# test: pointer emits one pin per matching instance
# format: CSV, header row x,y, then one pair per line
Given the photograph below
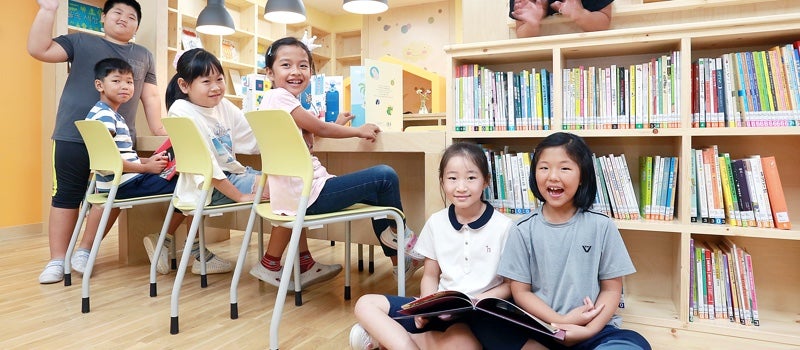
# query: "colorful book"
x,y
777,199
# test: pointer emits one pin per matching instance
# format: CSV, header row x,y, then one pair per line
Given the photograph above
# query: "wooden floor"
x,y
124,316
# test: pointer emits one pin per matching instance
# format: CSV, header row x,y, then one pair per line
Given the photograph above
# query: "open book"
x,y
454,302
169,171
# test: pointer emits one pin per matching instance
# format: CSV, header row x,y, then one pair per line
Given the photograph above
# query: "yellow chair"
x,y
192,158
104,157
284,153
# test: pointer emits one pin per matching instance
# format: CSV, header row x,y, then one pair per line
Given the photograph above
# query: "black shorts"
x,y
70,174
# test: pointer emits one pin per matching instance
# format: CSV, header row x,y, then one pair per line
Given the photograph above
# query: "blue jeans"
x,y
609,338
378,185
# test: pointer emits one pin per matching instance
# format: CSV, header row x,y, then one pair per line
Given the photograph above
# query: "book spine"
x,y
752,287
743,193
777,199
761,188
702,193
694,212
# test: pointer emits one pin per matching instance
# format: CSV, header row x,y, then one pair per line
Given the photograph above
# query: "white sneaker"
x,y
53,272
150,241
215,265
412,265
361,340
319,273
389,239
79,260
267,275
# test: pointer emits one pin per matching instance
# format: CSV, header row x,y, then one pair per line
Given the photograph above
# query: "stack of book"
x,y
508,189
487,100
749,88
658,179
615,195
743,192
645,95
722,283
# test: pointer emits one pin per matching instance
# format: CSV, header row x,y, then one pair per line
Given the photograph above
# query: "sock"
x,y
84,250
306,261
196,251
56,262
272,263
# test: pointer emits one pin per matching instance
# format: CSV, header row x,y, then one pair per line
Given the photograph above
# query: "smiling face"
x,y
291,69
115,89
557,177
463,184
120,23
206,90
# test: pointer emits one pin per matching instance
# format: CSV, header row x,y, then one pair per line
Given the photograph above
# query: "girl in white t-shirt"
x,y
289,67
462,245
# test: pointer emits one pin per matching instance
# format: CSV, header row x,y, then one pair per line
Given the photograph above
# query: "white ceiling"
x,y
334,7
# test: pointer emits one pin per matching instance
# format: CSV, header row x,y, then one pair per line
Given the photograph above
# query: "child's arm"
x,y
501,291
153,165
151,101
430,278
307,121
524,298
589,21
603,309
40,44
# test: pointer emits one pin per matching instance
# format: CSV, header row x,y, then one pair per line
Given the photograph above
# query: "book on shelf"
x,y
229,51
190,39
169,170
777,199
236,82
454,303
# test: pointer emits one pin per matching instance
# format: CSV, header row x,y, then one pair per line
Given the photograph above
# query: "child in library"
x,y
197,91
121,19
289,67
566,261
589,15
114,82
468,220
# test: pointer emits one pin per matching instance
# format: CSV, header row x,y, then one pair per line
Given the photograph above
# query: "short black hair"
x,y
108,65
578,151
132,3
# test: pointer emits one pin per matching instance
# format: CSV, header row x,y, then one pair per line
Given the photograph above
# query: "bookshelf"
x,y
657,296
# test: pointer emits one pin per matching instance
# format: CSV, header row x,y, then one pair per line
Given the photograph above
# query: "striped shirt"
x,y
115,124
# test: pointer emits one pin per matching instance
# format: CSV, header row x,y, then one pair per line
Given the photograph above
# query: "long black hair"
x,y
191,65
579,152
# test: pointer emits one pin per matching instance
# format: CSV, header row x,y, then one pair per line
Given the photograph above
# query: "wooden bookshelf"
x,y
657,295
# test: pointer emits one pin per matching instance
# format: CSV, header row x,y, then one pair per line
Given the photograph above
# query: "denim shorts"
x,y
434,324
245,182
146,184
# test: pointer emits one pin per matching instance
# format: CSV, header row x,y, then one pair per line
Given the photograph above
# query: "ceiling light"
x,y
365,7
285,11
215,19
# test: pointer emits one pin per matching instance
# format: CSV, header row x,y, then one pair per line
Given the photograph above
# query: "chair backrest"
x,y
283,150
191,149
103,152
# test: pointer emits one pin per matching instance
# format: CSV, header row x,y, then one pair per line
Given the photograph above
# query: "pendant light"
x,y
285,11
365,7
215,19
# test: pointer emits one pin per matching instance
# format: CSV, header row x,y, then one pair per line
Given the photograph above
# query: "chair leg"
x,y
203,258
298,291
75,233
162,236
347,248
291,255
360,257
237,272
98,238
187,252
371,259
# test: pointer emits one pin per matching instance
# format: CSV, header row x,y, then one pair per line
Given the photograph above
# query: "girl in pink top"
x,y
289,67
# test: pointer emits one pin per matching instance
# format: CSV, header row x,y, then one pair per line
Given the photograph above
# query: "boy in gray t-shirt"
x,y
121,20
